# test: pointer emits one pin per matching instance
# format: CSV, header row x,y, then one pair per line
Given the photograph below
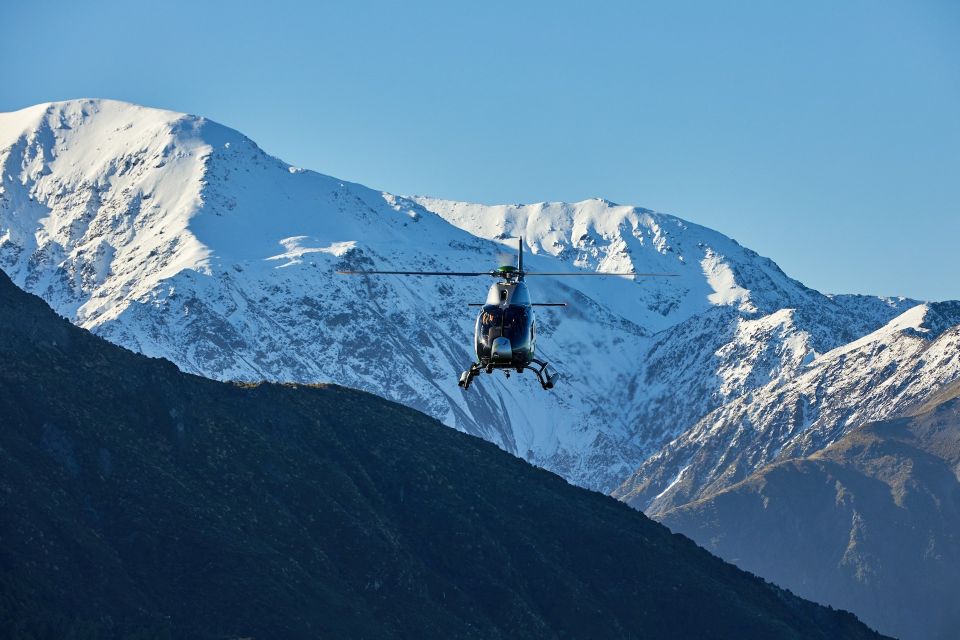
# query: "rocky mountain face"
x,y
882,374
142,502
174,236
870,523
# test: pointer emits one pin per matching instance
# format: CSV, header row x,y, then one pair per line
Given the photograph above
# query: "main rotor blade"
x,y
532,304
598,273
414,273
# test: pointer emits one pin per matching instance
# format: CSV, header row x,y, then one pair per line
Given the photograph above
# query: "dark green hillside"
x,y
139,501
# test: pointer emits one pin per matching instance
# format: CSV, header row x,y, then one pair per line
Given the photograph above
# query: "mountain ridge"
x,y
797,417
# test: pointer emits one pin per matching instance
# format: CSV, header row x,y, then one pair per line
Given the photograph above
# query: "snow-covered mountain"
x,y
177,237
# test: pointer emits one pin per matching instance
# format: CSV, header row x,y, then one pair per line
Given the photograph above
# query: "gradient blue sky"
x,y
824,134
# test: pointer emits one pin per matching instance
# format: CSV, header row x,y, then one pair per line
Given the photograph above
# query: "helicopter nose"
x,y
501,350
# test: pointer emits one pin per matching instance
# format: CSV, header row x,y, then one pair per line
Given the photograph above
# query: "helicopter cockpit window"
x,y
510,323
490,319
515,324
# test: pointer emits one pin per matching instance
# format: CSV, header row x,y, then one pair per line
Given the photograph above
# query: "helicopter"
x,y
505,333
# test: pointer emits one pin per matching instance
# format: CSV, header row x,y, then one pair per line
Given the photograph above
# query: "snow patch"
x,y
721,279
296,250
673,483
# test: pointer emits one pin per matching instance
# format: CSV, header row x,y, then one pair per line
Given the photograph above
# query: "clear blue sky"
x,y
824,134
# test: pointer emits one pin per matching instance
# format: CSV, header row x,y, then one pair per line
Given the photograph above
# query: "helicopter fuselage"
x,y
505,333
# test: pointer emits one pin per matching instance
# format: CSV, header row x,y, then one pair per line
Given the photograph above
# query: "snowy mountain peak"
x,y
178,237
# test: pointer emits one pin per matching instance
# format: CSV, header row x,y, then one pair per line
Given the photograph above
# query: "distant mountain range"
x,y
179,238
141,502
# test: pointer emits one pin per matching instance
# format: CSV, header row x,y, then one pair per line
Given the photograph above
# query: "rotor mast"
x,y
520,261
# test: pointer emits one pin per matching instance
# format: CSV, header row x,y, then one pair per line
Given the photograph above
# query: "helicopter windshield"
x,y
510,323
515,324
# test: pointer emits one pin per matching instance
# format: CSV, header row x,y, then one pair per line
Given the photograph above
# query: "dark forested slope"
x,y
139,501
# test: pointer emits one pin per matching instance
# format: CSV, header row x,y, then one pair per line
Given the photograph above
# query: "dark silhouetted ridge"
x,y
138,501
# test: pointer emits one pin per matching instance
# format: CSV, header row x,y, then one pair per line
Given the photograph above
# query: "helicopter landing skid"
x,y
546,378
467,376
